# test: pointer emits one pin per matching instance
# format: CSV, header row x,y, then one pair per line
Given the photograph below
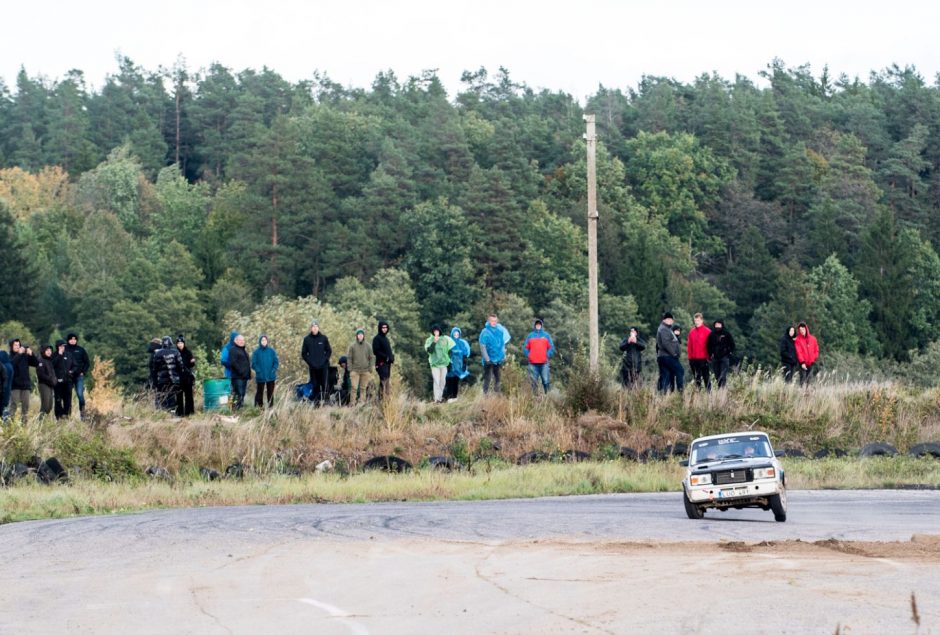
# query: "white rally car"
x,y
734,471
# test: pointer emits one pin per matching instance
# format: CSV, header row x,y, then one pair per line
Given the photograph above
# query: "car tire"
x,y
878,449
692,510
778,505
925,450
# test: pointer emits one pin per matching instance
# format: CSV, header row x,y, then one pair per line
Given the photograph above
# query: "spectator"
x,y
438,348
21,358
788,359
265,363
226,351
316,353
458,364
697,351
631,364
539,349
168,365
677,331
185,405
360,360
807,352
671,373
240,366
384,358
721,351
343,385
45,373
80,366
62,364
152,348
6,388
493,340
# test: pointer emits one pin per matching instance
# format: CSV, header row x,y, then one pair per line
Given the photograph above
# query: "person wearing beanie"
x,y
185,405
720,351
360,360
80,365
438,347
539,349
316,352
697,351
62,364
384,358
671,373
45,373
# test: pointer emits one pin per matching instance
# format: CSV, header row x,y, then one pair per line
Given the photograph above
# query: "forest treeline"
x,y
168,198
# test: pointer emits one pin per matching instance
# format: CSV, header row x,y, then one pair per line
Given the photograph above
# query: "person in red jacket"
x,y
807,352
698,352
539,349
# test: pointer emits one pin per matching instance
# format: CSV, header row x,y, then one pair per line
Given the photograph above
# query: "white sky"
x,y
571,46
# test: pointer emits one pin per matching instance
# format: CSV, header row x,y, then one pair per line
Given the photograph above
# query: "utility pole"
x,y
593,330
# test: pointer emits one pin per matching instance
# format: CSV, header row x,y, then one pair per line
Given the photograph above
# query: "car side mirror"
x,y
779,453
684,462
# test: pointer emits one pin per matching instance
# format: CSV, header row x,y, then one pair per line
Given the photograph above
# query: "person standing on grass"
x,y
807,352
45,373
168,365
697,351
493,340
152,348
677,331
21,358
240,365
384,358
457,371
343,385
6,388
788,359
360,360
80,366
265,363
62,364
539,349
631,364
226,351
671,373
316,352
438,348
721,351
185,405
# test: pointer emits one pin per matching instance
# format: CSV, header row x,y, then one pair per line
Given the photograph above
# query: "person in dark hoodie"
x,y
62,364
168,365
240,364
223,355
185,405
80,365
720,345
265,364
152,348
22,358
45,373
6,386
384,358
316,352
671,373
631,364
788,360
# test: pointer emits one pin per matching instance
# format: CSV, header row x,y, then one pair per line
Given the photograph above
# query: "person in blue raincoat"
x,y
493,340
223,358
458,364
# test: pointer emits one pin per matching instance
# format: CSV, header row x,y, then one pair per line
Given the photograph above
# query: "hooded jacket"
x,y
168,364
316,350
439,351
62,364
226,351
720,343
807,348
633,352
458,355
80,361
359,357
45,373
264,362
188,370
788,349
667,344
539,345
239,362
493,340
697,342
381,347
21,363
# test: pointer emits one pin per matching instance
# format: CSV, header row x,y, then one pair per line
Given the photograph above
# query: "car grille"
x,y
732,476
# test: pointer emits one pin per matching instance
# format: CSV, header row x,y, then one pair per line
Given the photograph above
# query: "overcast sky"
x,y
568,46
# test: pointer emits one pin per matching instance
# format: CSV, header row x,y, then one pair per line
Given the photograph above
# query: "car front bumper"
x,y
740,493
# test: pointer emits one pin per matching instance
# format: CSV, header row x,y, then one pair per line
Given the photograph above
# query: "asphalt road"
x,y
410,566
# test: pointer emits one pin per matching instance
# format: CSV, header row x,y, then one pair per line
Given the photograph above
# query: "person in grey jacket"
x,y
667,357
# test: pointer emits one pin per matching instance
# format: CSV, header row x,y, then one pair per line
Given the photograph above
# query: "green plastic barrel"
x,y
216,393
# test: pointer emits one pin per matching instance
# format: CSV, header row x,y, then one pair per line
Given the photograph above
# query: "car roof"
x,y
745,433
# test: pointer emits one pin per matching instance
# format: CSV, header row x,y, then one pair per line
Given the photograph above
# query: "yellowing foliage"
x,y
26,193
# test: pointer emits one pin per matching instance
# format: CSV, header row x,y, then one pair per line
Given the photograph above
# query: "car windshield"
x,y
727,448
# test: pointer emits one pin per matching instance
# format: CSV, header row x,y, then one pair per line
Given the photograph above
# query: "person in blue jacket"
x,y
458,364
223,358
265,364
493,340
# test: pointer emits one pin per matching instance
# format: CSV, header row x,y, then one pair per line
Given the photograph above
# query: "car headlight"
x,y
700,479
765,472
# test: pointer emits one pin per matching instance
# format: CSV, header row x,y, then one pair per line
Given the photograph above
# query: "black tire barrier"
x,y
535,456
650,454
925,450
878,449
676,449
13,473
830,452
159,473
629,454
236,471
575,456
443,463
209,474
51,471
792,453
387,464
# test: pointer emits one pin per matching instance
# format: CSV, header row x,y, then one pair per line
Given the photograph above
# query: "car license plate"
x,y
731,492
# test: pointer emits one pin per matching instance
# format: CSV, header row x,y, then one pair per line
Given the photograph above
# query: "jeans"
x,y
701,373
63,399
539,372
491,372
671,374
239,386
80,392
721,367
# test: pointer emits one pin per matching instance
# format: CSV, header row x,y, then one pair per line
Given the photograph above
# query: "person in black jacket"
x,y
631,365
168,368
22,358
788,360
384,358
720,347
152,348
45,373
316,352
239,363
62,364
80,366
185,405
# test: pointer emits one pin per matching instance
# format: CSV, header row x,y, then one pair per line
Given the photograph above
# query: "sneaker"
x,y
452,400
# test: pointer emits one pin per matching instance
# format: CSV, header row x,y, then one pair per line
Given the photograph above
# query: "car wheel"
x,y
692,510
778,505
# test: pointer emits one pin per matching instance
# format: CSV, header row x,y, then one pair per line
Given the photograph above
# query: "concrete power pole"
x,y
593,330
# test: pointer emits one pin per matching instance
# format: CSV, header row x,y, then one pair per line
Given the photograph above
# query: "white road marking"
x,y
341,616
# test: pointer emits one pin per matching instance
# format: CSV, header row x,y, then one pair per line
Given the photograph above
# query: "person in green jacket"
x,y
360,360
438,347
